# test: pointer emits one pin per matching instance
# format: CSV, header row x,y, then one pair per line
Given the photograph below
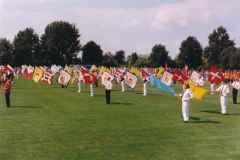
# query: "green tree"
x,y
60,43
119,57
6,52
26,47
218,41
190,53
133,59
143,60
158,56
92,53
233,59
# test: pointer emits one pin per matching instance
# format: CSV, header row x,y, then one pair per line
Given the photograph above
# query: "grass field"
x,y
47,122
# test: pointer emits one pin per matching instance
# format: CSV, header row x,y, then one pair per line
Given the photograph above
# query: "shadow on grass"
x,y
121,103
198,120
25,107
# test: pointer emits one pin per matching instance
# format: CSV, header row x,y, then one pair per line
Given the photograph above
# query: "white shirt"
x,y
108,85
186,95
200,82
223,89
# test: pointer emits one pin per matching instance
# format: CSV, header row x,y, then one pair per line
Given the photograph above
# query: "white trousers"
x,y
212,87
185,110
91,90
223,102
79,86
123,86
144,89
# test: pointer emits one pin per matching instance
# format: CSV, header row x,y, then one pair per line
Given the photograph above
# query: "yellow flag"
x,y
37,74
102,69
70,69
72,79
197,91
135,71
160,71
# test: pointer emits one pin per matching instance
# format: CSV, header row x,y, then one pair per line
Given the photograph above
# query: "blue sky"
x,y
129,25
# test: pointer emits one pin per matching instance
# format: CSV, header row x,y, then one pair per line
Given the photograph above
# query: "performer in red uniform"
x,y
7,90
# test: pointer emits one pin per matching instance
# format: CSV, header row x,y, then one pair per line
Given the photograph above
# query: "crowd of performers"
x,y
231,77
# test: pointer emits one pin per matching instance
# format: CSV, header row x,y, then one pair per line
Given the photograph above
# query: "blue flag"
x,y
160,85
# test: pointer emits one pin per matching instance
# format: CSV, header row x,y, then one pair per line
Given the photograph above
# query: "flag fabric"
x,y
197,91
117,74
166,78
195,77
144,73
88,77
47,76
215,76
178,76
23,69
63,77
29,71
70,69
37,74
135,71
8,68
160,71
102,69
160,85
77,72
131,79
105,76
54,68
236,85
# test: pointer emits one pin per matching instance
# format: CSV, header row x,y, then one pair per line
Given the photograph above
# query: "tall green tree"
x,y
60,43
119,56
133,59
6,52
190,53
92,53
26,47
143,60
218,41
158,56
232,58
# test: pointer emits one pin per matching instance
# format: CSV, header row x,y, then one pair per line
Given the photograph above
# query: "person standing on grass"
x,y
224,91
145,82
235,87
123,82
186,97
91,88
7,90
108,89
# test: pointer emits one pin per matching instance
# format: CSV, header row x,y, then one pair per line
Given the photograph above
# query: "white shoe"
x,y
211,93
91,95
79,91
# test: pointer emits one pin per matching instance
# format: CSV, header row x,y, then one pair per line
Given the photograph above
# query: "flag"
x,y
197,91
131,79
195,77
88,77
135,71
29,71
77,72
178,76
117,74
105,76
8,68
160,71
47,76
37,74
160,85
143,73
166,78
23,69
102,69
63,77
70,69
215,76
54,68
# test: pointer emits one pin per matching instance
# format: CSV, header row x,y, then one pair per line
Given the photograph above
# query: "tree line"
x,y
60,45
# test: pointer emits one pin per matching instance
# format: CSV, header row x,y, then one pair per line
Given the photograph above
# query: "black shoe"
x,y
185,121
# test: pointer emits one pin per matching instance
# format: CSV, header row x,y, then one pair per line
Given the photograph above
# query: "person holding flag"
x,y
7,90
186,97
235,86
224,91
108,89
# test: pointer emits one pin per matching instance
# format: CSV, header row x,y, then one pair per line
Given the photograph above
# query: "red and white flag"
x,y
8,68
88,77
215,76
178,76
29,71
47,76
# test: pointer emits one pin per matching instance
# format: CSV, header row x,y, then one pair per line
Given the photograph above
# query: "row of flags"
x,y
162,80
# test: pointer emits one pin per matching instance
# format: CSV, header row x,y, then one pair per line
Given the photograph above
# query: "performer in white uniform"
x,y
224,91
79,86
91,89
186,97
123,82
145,82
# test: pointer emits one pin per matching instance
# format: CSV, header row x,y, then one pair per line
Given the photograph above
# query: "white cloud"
x,y
19,2
181,14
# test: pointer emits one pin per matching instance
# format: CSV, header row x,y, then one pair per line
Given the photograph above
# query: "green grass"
x,y
50,122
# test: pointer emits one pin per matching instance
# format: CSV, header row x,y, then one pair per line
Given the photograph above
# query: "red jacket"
x,y
7,87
